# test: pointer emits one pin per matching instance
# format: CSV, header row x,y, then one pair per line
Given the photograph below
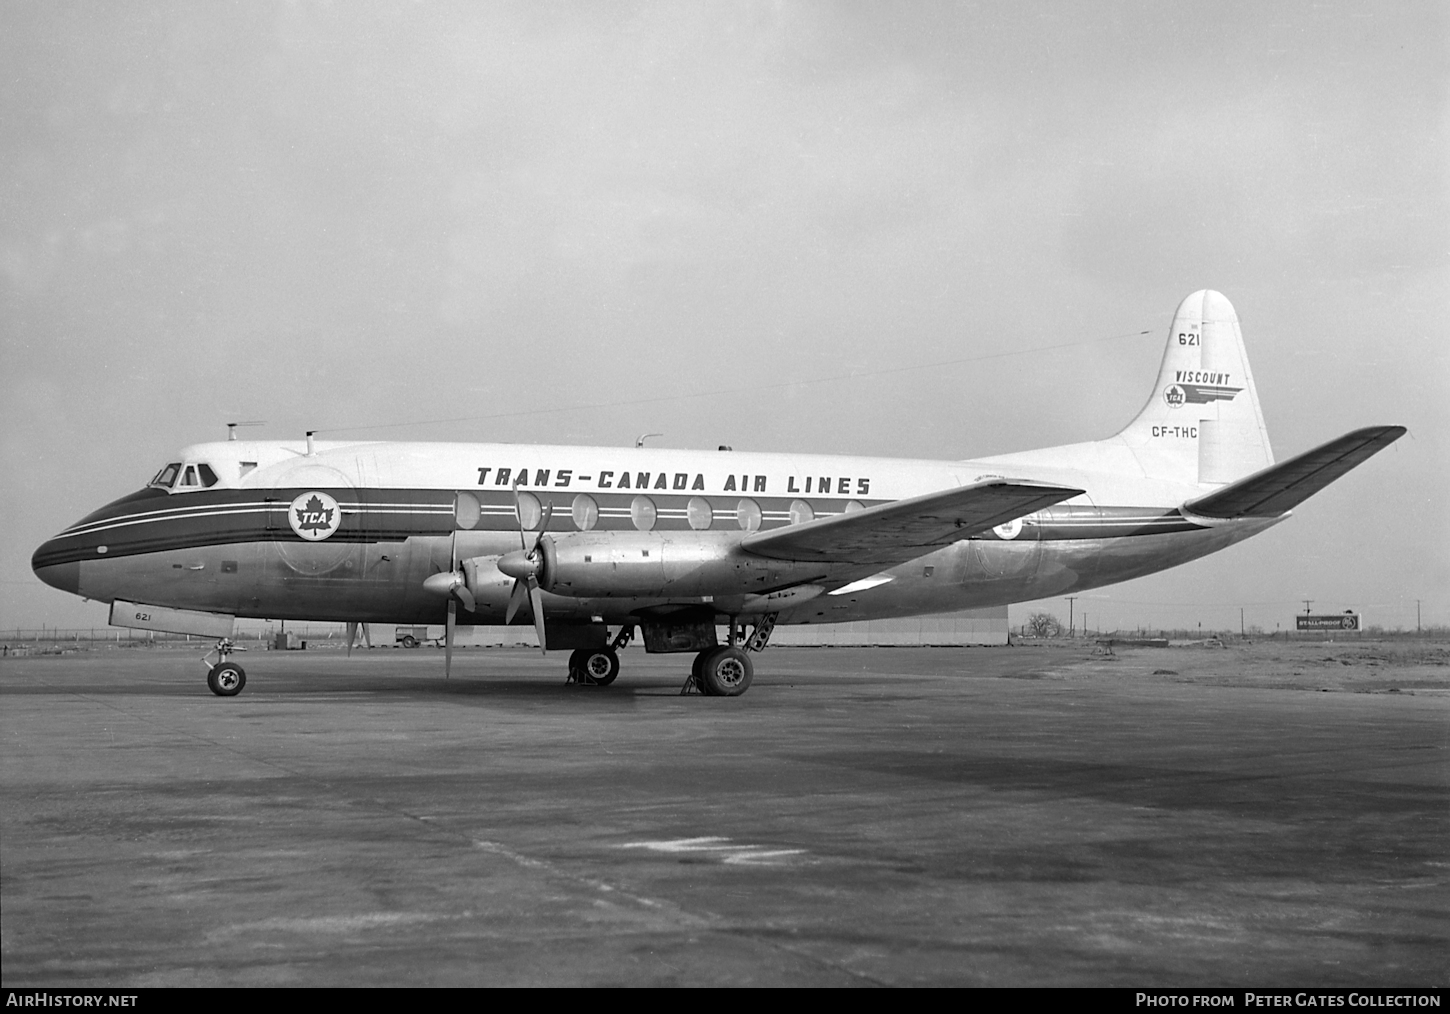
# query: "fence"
x,y
1371,633
127,635
336,632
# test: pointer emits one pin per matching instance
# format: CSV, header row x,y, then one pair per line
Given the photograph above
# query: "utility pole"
x,y
1417,616
1070,600
1306,605
1241,621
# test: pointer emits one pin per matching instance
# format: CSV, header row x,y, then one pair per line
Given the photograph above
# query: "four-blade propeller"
x,y
453,582
525,566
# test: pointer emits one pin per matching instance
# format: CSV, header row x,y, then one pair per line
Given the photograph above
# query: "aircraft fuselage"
x,y
664,524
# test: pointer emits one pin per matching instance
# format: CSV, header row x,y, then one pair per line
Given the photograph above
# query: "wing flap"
x,y
895,532
1271,491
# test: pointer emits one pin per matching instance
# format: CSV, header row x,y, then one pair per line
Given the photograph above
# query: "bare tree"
x,y
1043,625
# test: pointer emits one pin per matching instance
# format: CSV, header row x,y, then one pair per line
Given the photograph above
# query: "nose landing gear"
x,y
225,679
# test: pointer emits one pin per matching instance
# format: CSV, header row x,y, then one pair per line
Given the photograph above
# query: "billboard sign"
x,y
1331,621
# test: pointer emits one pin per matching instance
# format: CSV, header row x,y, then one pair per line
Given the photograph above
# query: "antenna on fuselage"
x,y
310,451
232,427
639,442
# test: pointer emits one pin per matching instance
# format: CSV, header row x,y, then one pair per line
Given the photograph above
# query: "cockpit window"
x,y
189,475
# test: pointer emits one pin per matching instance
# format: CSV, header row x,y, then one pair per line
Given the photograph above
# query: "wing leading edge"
x,y
892,533
1271,491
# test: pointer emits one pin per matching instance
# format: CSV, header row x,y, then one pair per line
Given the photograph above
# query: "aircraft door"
x,y
313,522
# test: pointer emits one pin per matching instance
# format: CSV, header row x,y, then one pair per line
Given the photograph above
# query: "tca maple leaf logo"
x,y
314,516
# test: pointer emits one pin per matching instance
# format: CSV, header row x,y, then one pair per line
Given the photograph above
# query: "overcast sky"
x,y
329,216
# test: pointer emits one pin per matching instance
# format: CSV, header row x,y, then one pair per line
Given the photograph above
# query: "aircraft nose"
x,y
65,575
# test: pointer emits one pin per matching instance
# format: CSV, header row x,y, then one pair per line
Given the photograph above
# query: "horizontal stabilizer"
x,y
1273,490
892,533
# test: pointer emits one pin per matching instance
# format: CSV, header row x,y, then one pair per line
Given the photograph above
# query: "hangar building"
x,y
970,626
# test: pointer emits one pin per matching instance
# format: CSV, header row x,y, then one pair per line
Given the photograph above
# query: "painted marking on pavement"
x,y
718,847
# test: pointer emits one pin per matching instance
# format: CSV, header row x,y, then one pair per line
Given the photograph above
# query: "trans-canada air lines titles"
x,y
564,478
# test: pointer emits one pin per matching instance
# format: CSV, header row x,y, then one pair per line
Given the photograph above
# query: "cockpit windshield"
x,y
188,475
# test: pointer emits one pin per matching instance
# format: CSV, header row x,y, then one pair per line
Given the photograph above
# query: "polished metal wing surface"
x,y
895,532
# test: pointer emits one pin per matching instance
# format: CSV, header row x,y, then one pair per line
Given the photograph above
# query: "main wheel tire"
x,y
599,665
577,658
226,679
699,664
726,672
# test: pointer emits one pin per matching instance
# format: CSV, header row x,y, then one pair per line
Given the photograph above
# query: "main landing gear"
x,y
597,667
593,667
722,671
225,679
727,671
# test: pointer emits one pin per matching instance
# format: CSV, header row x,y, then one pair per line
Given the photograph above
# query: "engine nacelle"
x,y
657,565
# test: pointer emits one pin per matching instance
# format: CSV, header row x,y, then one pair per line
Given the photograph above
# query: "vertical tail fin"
x,y
1202,423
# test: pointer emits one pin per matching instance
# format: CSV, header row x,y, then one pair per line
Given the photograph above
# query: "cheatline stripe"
x,y
187,512
426,513
1109,522
170,512
212,510
182,509
151,517
164,542
149,521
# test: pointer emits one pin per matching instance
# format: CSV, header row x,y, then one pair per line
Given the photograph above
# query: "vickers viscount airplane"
x,y
594,542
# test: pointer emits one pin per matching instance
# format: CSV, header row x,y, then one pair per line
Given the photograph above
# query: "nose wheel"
x,y
225,678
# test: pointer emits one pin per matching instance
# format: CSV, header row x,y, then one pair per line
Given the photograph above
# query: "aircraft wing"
x,y
1271,491
892,533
